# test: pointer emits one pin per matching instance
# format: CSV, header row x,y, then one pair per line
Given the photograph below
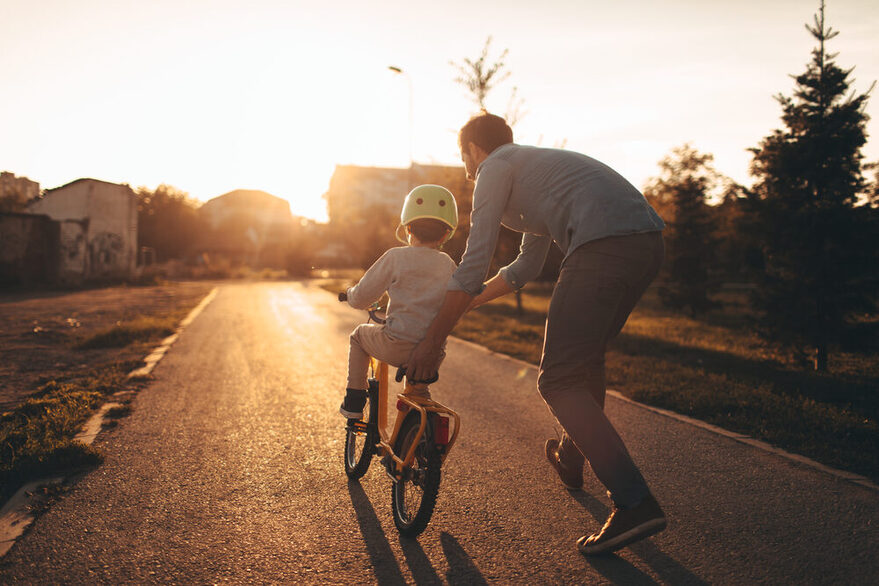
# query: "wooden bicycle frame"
x,y
422,404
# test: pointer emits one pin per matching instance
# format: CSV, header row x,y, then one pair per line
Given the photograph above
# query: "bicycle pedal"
x,y
357,425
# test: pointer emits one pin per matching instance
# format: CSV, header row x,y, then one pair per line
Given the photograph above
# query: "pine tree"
x,y
682,191
811,230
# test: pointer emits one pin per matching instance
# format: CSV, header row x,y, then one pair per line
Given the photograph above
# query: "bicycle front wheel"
x,y
413,497
360,439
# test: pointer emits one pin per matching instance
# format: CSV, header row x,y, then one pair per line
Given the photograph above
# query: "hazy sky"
x,y
211,96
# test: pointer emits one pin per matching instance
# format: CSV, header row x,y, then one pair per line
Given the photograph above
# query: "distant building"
x,y
249,227
15,192
260,208
353,189
98,234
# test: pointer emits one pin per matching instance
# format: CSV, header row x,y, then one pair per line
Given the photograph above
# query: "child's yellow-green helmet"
x,y
429,201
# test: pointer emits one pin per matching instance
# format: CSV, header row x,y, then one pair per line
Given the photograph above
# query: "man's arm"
x,y
424,359
526,267
496,287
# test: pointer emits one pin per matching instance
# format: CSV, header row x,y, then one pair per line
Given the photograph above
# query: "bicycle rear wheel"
x,y
360,437
414,496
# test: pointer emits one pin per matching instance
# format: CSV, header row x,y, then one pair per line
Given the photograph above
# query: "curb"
x,y
739,437
156,355
16,515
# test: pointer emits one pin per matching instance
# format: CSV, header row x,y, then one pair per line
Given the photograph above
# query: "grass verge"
x,y
74,373
36,438
139,329
718,370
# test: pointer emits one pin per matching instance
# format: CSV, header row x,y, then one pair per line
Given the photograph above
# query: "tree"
x,y
872,191
682,191
167,221
735,246
479,77
815,239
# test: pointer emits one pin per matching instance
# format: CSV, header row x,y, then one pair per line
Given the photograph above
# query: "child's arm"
x,y
374,283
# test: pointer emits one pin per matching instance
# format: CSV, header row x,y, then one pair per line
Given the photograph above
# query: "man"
x,y
612,242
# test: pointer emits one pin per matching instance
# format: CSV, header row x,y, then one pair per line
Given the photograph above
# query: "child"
x,y
415,278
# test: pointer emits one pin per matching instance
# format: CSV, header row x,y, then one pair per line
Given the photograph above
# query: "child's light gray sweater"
x,y
415,278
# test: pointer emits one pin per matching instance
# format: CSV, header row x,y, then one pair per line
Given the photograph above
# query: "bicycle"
x,y
412,452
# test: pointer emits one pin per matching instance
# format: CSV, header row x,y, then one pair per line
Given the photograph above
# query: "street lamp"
x,y
400,71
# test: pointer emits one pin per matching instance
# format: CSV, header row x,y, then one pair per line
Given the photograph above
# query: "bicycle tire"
x,y
359,444
413,497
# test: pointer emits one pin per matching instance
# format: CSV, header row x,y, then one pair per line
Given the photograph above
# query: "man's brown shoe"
x,y
625,526
570,475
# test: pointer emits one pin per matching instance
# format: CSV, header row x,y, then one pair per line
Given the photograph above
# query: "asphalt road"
x,y
229,470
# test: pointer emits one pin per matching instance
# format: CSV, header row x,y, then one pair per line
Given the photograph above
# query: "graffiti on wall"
x,y
105,253
73,250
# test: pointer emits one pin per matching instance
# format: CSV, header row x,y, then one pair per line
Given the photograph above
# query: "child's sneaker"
x,y
352,406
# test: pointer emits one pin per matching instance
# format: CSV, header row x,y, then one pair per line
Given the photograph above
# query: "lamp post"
x,y
400,71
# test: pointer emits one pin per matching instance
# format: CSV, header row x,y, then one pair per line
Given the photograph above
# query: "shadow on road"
x,y
422,570
384,563
619,571
462,570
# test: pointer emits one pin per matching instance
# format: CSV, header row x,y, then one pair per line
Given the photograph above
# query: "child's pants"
x,y
373,340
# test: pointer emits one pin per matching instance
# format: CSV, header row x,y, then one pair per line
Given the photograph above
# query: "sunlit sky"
x,y
211,96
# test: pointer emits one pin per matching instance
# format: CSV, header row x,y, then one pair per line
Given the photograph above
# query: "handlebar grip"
x,y
343,296
401,372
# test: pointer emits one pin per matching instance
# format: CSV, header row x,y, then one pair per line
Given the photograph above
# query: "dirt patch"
x,y
41,333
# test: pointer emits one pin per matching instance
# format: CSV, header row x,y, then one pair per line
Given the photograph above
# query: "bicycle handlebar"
x,y
372,311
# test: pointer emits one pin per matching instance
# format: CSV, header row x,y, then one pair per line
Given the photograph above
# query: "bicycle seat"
x,y
401,372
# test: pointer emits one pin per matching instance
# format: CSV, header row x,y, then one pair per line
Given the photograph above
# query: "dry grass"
x,y
36,438
63,354
139,329
717,369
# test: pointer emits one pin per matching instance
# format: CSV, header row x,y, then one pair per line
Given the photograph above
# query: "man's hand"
x,y
494,288
424,361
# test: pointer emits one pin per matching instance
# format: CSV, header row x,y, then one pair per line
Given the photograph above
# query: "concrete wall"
x,y
29,246
111,235
73,251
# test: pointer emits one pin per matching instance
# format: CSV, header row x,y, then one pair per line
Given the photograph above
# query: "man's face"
x,y
469,164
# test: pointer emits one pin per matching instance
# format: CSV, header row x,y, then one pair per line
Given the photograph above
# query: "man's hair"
x,y
486,131
428,230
